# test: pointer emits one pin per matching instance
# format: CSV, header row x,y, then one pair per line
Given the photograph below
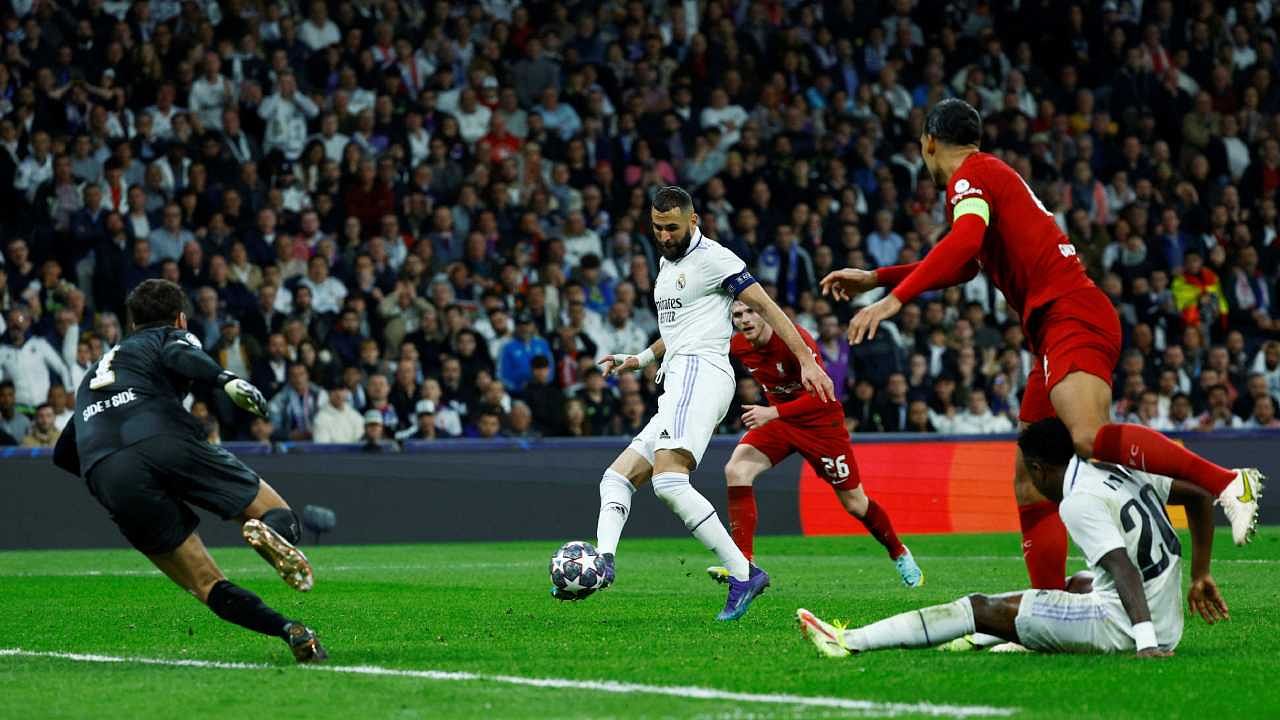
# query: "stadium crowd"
x,y
405,219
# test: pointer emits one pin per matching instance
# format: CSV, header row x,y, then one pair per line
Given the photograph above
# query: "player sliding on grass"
x,y
795,422
1117,517
144,459
1000,226
697,281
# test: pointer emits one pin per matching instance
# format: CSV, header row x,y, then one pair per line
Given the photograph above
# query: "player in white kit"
x,y
698,280
1116,515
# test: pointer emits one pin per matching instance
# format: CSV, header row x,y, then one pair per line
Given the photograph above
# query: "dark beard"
x,y
678,252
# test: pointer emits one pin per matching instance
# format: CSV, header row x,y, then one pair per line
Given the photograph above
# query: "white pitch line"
x,y
866,707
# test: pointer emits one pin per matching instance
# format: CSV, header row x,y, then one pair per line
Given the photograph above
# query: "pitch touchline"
x,y
883,709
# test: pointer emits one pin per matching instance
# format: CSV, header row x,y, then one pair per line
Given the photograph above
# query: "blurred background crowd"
x,y
406,219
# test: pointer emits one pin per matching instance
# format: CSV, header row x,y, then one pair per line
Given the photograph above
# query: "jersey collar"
x,y
693,243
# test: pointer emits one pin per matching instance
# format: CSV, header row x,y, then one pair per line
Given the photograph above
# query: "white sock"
x,y
615,506
916,629
700,518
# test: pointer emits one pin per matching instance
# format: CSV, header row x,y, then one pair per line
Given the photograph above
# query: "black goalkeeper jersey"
x,y
135,391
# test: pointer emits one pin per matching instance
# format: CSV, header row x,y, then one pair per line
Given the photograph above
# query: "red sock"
x,y
742,518
881,528
1044,545
1145,449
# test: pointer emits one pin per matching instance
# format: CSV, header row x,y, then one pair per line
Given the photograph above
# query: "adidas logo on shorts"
x,y
665,435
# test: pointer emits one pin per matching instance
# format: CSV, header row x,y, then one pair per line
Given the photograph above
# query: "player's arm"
x,y
614,364
1204,597
65,453
848,283
953,256
812,376
184,357
1134,598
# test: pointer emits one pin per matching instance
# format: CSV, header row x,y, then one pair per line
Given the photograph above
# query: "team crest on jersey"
x,y
680,281
781,370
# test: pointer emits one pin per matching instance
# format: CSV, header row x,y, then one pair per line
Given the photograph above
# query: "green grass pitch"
x,y
485,609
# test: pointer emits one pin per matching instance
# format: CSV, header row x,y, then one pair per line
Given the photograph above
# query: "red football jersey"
x,y
778,372
1023,251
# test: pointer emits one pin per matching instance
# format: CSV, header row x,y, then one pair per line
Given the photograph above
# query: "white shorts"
x,y
695,397
1063,622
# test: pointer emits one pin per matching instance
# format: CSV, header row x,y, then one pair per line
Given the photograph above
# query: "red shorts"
x,y
826,448
1079,332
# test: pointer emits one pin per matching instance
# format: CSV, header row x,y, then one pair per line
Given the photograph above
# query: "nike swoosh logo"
x,y
1247,495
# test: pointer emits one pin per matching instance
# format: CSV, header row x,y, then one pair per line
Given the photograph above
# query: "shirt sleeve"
x,y
1091,525
728,271
182,354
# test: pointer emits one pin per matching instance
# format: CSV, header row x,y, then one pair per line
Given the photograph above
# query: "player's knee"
x,y
1081,583
737,474
285,522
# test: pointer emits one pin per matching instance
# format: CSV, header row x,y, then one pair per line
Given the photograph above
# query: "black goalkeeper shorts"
x,y
146,487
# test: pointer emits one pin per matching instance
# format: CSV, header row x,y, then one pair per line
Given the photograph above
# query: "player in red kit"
x,y
999,226
795,421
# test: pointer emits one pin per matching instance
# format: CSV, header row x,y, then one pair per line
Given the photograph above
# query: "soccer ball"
x,y
577,569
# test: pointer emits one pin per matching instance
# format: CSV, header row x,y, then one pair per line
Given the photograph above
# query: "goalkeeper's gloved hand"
x,y
243,393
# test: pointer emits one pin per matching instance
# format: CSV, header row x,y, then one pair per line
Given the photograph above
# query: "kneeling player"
x,y
1117,517
795,422
144,459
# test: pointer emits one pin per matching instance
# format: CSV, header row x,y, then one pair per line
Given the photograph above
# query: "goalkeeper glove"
x,y
243,393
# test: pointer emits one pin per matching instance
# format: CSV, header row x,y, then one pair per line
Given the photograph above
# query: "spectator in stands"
x,y
44,431
1264,414
169,240
488,424
63,406
1217,414
424,427
13,424
29,363
336,421
894,411
599,403
918,418
976,419
375,437
378,394
327,292
516,366
519,422
293,409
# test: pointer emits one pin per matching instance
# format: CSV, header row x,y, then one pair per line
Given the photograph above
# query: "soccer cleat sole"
x,y
817,633
305,645
288,560
719,573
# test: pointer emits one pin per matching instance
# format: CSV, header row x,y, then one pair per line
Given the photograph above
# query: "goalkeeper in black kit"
x,y
144,459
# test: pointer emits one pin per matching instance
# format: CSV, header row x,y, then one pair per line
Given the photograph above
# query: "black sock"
x,y
285,522
237,605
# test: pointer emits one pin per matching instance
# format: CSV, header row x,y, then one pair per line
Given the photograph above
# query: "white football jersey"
x,y
693,298
1106,507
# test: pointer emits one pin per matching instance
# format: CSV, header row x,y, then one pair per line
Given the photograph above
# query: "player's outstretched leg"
x,y
617,486
671,485
271,528
876,521
1082,401
190,566
922,628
